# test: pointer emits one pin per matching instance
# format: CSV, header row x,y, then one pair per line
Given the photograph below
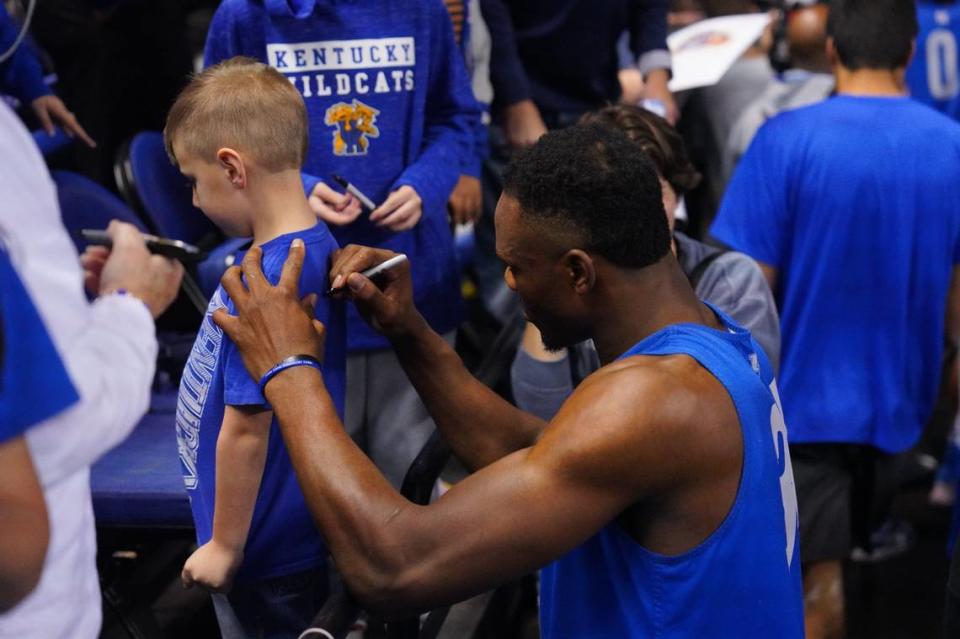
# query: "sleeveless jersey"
x,y
744,579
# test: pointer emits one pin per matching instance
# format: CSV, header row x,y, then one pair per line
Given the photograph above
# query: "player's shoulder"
x,y
668,391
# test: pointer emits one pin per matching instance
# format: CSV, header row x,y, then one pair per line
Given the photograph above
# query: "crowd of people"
x,y
735,302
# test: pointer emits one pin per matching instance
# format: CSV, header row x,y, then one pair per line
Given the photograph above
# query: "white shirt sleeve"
x,y
109,347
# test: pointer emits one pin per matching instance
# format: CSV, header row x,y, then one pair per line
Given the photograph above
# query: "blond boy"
x,y
238,133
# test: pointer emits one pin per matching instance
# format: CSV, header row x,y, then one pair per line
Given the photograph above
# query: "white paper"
x,y
705,51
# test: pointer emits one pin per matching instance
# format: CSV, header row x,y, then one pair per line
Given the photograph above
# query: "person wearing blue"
x,y
22,77
659,501
391,111
34,385
238,133
934,74
852,208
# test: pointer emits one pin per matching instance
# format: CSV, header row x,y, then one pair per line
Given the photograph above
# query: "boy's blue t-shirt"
x,y
34,384
934,74
283,538
856,202
389,104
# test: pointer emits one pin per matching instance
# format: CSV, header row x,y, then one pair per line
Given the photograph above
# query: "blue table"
x,y
139,483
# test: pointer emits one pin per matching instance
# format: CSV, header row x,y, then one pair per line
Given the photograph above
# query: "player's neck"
x,y
871,82
281,207
640,304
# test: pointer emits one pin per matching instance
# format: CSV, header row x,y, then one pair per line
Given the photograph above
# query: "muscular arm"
x,y
478,424
25,532
511,517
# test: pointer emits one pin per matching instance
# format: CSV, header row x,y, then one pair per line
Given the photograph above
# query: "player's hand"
x,y
386,305
212,566
655,88
401,210
272,322
338,209
465,202
522,124
51,110
93,260
153,279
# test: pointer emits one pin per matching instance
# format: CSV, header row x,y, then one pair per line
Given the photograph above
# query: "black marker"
x,y
355,192
174,249
374,271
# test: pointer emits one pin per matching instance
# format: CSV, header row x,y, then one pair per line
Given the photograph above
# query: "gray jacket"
x,y
732,282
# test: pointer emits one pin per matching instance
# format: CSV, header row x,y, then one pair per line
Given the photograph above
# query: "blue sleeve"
x,y
239,389
21,75
510,83
648,35
449,120
754,216
237,28
310,182
34,384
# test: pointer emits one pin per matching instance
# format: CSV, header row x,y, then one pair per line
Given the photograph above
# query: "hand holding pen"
x,y
385,301
333,207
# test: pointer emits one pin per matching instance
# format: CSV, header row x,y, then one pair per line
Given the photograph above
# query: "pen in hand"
x,y
373,271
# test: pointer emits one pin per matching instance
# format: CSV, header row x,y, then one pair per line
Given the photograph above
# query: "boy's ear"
x,y
233,167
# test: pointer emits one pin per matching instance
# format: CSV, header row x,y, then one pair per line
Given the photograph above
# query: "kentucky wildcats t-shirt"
x,y
283,538
389,104
34,384
934,74
856,202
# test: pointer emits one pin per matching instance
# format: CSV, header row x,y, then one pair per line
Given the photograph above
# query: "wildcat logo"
x,y
355,125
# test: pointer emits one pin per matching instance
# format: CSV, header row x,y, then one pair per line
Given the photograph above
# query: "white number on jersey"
x,y
941,53
788,492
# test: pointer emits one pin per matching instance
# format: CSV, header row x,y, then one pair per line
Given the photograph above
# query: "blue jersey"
x,y
934,75
744,579
34,384
283,538
856,202
389,104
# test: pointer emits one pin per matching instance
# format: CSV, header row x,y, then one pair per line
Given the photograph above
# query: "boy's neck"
x,y
280,206
871,82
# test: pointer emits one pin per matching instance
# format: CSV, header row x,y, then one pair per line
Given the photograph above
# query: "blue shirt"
x,y
34,384
933,76
283,538
856,202
389,104
21,75
744,579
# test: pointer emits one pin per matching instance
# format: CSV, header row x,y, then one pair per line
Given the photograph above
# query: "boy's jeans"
x,y
275,608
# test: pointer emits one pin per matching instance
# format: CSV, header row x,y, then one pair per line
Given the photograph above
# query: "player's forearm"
x,y
358,512
241,454
479,426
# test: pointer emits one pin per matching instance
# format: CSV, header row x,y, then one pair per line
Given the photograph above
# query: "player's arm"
x,y
770,274
508,519
241,453
478,425
25,531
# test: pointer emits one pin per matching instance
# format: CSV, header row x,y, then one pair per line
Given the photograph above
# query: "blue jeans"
x,y
275,608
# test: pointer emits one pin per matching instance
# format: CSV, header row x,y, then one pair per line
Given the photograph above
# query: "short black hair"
x,y
873,34
597,182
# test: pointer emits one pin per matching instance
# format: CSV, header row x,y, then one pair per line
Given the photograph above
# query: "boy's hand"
x,y
401,210
51,110
338,209
212,566
465,201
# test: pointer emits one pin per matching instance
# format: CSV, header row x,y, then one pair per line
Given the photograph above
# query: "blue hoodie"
x,y
389,104
21,75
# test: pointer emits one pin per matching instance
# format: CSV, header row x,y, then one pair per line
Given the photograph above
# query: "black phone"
x,y
174,249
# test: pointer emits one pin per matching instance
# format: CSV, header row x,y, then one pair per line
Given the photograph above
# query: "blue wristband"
x,y
290,362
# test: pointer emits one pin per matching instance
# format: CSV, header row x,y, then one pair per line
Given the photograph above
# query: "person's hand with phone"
x,y
129,266
333,207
